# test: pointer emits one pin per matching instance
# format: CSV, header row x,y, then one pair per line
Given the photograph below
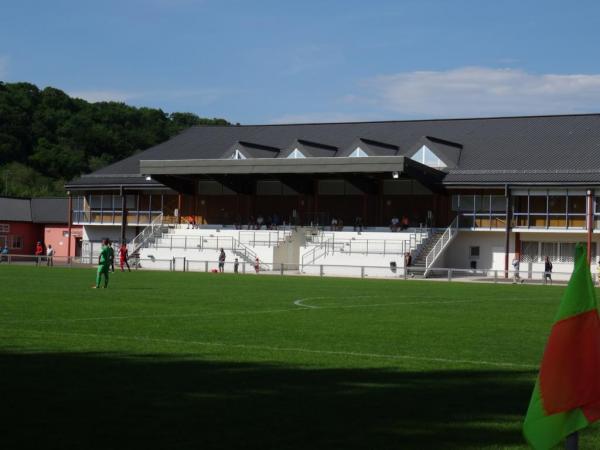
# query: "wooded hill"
x,y
48,137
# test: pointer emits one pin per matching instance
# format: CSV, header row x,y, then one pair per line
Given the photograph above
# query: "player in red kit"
x,y
123,257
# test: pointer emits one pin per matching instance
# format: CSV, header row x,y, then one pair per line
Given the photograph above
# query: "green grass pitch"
x,y
208,361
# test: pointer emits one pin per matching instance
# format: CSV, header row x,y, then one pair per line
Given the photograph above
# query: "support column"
x,y
365,211
70,222
179,204
590,223
507,230
315,203
123,215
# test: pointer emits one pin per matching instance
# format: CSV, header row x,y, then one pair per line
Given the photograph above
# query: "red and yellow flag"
x,y
566,396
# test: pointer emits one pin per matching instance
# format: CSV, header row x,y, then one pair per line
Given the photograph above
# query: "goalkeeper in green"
x,y
103,265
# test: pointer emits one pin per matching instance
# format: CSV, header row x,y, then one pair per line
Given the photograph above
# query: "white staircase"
x,y
441,245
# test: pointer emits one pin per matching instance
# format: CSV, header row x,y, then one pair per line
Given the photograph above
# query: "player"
x,y
257,265
222,261
111,254
103,265
123,257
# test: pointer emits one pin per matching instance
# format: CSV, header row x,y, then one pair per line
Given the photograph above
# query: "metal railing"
x,y
441,244
152,231
363,271
316,253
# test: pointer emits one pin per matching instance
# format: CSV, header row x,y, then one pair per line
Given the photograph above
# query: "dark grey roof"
x,y
50,210
554,145
309,149
251,150
15,209
370,147
36,210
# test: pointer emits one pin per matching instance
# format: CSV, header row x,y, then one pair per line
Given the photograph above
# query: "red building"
x,y
24,222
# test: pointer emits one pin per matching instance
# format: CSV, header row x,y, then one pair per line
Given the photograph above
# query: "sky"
x,y
263,61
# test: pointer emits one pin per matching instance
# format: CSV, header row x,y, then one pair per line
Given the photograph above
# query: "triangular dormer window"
x,y
358,153
296,154
425,156
237,155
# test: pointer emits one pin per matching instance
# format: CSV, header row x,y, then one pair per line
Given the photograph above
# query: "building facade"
x,y
526,186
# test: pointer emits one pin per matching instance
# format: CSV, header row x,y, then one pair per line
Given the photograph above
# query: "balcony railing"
x,y
113,217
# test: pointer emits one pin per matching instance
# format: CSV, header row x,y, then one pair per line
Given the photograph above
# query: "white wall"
x,y
491,250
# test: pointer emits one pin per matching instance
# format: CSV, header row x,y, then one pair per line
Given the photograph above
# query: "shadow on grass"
x,y
106,401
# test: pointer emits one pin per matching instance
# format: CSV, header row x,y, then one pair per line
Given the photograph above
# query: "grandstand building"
x,y
473,192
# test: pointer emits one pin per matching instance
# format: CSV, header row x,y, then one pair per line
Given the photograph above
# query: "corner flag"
x,y
566,397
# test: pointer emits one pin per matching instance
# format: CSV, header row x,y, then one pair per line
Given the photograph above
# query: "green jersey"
x,y
105,256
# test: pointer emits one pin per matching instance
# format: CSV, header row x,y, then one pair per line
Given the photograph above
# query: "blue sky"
x,y
268,61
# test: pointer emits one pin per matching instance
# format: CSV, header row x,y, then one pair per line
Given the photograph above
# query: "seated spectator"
x,y
394,224
191,222
334,224
404,224
259,222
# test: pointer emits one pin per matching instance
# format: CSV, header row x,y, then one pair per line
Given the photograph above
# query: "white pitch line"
x,y
285,349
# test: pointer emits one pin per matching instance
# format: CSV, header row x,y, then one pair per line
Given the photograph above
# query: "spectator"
x,y
222,261
547,270
236,266
257,265
404,224
334,223
358,225
259,222
276,220
516,263
50,256
39,251
408,263
394,224
4,253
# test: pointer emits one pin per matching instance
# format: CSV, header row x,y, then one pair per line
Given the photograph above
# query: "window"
x,y
237,155
296,154
4,228
15,242
358,153
3,241
474,252
427,157
529,251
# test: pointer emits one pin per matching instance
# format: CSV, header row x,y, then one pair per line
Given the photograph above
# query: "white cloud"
x,y
104,95
479,91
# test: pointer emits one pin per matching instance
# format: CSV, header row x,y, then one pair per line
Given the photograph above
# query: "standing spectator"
x,y
39,251
408,263
222,261
236,265
4,253
394,224
257,265
50,256
123,257
516,264
358,225
547,270
111,255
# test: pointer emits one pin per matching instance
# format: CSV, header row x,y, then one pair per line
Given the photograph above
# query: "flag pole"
x,y
572,442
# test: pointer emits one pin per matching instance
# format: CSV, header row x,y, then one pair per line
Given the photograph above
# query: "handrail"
x,y
442,242
248,255
148,232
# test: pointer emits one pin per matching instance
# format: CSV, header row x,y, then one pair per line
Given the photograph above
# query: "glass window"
x,y
577,205
15,242
474,252
537,204
95,201
520,205
498,203
455,202
358,153
467,203
529,251
557,204
296,154
567,252
549,249
131,202
4,227
425,156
